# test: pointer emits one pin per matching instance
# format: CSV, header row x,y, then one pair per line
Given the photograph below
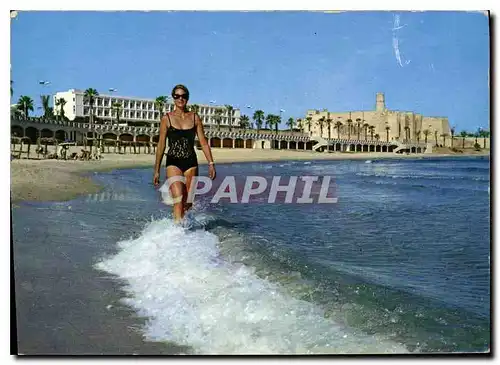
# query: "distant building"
x,y
389,125
132,110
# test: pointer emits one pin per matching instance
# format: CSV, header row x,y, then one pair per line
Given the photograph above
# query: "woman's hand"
x,y
211,171
156,179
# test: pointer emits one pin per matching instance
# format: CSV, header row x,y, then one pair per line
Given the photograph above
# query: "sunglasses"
x,y
178,96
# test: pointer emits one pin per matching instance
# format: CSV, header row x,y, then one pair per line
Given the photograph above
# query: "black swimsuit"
x,y
181,152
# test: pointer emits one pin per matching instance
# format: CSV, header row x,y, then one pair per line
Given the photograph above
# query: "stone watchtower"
x,y
380,106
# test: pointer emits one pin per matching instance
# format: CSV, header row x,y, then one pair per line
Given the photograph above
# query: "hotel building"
x,y
133,111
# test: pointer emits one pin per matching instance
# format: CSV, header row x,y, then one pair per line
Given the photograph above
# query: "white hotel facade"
x,y
132,109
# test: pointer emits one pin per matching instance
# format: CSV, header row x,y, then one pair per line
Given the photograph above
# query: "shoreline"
x,y
60,180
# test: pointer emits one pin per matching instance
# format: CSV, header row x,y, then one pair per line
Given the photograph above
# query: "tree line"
x,y
25,105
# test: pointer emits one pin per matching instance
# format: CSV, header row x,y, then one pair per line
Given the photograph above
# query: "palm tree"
x,y
418,136
426,133
308,123
258,117
321,123
218,117
358,122
329,125
290,123
484,134
229,109
244,122
408,128
349,122
452,130
300,124
160,103
117,108
61,102
377,137
463,134
273,121
90,95
25,103
372,130
366,125
407,132
47,110
269,121
195,108
436,137
387,129
277,122
338,125
444,135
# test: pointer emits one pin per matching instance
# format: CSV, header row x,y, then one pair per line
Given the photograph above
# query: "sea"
x,y
399,264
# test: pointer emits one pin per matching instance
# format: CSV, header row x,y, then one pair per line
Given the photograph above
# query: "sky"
x,y
433,63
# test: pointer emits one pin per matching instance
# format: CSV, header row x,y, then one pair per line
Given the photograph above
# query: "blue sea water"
x,y
401,263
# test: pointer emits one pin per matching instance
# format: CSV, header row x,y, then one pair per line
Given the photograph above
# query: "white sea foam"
x,y
193,297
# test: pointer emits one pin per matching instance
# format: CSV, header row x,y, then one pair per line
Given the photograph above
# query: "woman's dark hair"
x,y
182,87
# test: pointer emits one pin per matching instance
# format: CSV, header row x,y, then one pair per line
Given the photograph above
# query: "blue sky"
x,y
270,60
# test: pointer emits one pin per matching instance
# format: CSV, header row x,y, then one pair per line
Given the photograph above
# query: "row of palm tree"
x,y
463,134
354,128
25,104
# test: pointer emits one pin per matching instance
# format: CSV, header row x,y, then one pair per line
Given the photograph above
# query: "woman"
x,y
180,127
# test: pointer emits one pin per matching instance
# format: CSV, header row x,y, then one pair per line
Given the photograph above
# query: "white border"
x,y
314,5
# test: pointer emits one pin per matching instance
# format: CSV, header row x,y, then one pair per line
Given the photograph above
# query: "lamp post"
x,y
111,90
43,83
281,111
249,107
211,118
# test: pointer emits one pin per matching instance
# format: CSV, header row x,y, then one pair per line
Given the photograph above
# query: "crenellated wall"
x,y
380,119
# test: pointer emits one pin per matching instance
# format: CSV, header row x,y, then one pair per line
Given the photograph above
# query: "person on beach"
x,y
180,127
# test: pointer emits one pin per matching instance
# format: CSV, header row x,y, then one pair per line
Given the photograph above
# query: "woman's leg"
x,y
177,192
189,174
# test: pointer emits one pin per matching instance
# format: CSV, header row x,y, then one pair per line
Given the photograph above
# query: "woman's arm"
x,y
203,140
160,150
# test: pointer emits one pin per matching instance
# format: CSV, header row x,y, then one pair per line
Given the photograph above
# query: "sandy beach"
x,y
60,180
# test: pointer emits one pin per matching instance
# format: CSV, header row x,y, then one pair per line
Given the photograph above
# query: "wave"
x,y
177,277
